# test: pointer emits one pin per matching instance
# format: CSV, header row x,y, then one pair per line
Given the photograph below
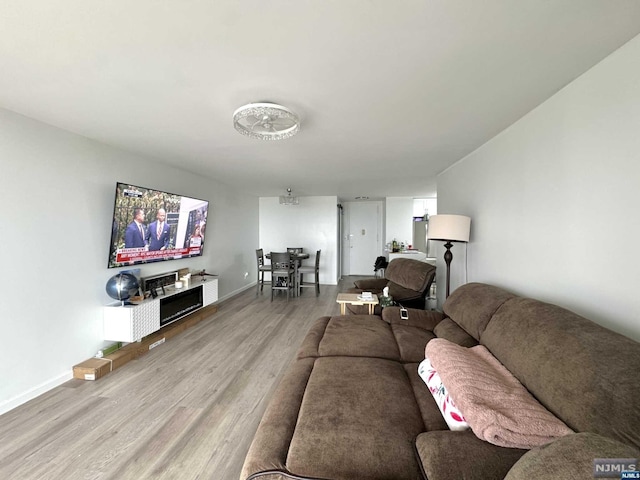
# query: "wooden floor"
x,y
186,410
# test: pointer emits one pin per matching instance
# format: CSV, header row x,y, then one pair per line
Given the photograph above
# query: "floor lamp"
x,y
449,228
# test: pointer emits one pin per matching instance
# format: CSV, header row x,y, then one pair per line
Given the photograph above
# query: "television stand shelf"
x,y
130,323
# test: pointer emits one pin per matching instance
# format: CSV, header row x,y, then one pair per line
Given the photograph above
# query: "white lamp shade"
x,y
454,228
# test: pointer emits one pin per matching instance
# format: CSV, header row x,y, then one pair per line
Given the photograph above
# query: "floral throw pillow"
x,y
454,418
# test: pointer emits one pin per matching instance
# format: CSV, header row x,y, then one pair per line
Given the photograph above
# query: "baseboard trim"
x,y
236,292
55,382
35,392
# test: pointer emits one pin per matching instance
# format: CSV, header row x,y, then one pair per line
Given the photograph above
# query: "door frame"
x,y
344,238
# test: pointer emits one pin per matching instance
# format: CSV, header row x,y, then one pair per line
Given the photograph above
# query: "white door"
x,y
364,236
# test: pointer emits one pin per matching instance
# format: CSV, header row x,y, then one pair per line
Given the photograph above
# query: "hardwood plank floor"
x,y
186,410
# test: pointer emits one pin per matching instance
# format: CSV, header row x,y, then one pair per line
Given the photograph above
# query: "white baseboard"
x,y
236,292
48,385
34,392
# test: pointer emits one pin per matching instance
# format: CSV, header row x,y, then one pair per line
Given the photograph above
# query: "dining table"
x,y
297,258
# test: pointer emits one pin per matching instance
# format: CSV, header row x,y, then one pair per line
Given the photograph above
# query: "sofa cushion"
x,y
472,305
357,417
496,406
411,341
450,330
582,372
447,455
350,335
569,457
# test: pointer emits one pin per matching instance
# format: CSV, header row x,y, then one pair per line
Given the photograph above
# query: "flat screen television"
x,y
153,226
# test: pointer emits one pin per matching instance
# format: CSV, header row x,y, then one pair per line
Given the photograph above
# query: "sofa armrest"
x,y
270,445
449,455
568,457
311,344
371,284
425,319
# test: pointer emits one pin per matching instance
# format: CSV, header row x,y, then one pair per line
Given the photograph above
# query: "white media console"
x,y
129,323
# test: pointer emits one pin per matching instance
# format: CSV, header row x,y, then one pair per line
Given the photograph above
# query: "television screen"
x,y
152,226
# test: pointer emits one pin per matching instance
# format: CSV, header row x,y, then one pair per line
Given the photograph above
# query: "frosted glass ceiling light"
x,y
289,199
266,121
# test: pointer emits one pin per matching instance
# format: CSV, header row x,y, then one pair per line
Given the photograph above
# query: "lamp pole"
x,y
448,256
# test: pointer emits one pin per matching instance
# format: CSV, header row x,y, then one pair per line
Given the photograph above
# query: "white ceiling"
x,y
389,93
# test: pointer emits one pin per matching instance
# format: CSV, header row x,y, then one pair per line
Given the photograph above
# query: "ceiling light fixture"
x,y
289,199
266,121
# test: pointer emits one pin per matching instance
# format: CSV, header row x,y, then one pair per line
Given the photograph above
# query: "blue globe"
x,y
122,286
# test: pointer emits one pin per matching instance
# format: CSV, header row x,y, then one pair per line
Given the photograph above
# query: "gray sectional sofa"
x,y
352,405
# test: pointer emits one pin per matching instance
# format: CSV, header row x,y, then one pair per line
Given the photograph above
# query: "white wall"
x,y
312,225
554,199
424,206
399,220
57,198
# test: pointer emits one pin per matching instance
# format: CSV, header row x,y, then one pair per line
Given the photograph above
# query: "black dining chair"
x,y
310,269
282,273
261,269
296,261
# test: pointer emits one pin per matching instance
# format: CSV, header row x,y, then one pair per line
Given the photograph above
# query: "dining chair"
x,y
296,261
282,273
310,269
261,269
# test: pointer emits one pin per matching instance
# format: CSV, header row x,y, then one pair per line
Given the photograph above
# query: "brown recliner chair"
x,y
408,281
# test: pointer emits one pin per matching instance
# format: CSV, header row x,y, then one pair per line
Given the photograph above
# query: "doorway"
x,y
362,237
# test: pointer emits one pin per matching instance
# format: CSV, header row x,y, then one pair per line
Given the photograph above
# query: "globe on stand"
x,y
122,286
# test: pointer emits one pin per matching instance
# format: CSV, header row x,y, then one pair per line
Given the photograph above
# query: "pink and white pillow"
x,y
454,418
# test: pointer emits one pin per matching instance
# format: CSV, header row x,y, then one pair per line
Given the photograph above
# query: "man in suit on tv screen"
x,y
159,233
134,235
